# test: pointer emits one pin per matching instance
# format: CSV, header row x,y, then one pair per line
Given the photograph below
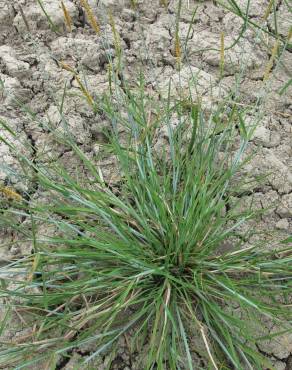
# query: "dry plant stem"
x,y
208,347
24,18
222,54
91,16
271,61
67,17
268,10
83,89
177,51
117,42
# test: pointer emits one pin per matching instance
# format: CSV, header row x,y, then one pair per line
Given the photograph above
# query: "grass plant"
x,y
160,253
148,255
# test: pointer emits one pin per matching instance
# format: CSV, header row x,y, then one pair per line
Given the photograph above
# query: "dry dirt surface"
x,y
29,69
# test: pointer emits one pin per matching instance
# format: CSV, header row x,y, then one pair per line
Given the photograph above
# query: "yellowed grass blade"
x,y
289,34
268,10
67,67
34,267
177,50
10,193
270,63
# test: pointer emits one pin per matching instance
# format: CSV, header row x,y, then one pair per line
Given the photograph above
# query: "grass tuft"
x,y
160,254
